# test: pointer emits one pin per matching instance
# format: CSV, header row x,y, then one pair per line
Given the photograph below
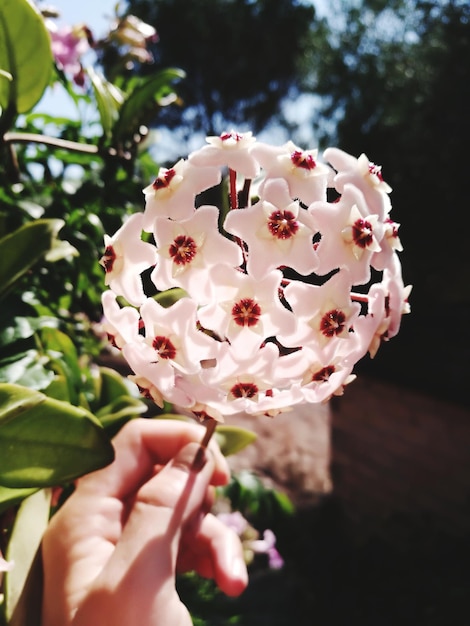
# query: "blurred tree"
x,y
241,57
396,79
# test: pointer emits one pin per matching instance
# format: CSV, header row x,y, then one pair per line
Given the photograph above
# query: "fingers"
x,y
215,551
140,445
148,548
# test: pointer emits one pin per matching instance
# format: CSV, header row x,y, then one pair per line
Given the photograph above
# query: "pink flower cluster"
x,y
281,295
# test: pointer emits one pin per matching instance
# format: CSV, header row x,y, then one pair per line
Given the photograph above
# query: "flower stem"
x,y
200,458
233,189
210,425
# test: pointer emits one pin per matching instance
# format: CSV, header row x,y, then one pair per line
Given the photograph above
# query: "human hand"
x,y
111,553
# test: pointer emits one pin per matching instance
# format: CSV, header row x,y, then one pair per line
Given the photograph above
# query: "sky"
x,y
97,15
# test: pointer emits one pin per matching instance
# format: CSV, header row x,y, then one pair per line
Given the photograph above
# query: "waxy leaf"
x,y
23,582
11,497
141,104
108,98
46,442
21,249
25,55
232,439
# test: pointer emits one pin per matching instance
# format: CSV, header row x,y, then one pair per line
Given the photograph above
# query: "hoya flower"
x,y
174,335
188,249
155,377
328,371
244,310
306,176
349,235
277,231
324,313
364,175
173,192
277,298
397,299
372,328
389,244
121,324
244,382
125,257
232,150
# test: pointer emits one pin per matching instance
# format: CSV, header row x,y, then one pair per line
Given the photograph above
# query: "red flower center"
x,y
323,375
183,250
305,161
164,347
376,170
362,233
244,390
164,179
246,312
108,259
282,224
232,135
333,323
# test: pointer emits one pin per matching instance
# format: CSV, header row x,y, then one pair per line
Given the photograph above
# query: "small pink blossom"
x,y
188,249
306,176
364,175
125,257
230,149
349,235
277,231
244,310
173,192
69,44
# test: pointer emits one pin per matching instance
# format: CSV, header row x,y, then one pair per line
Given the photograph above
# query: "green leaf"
x,y
108,98
64,358
25,54
232,439
11,497
21,249
143,101
26,368
45,442
23,582
110,385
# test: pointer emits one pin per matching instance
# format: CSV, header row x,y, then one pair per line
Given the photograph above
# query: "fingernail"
x,y
239,571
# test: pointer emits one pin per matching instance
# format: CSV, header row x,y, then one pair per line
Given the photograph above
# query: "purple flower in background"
x,y
69,44
267,545
252,544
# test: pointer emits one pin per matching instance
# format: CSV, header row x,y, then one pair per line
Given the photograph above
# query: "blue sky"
x,y
97,15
